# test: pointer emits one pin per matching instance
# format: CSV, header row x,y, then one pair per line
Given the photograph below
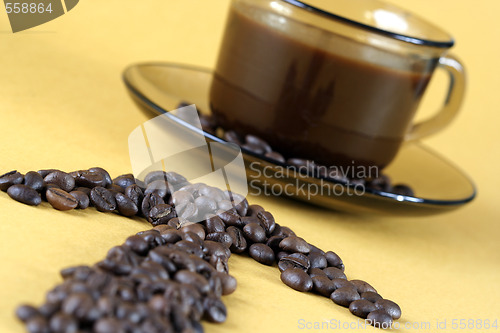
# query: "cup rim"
x,y
398,36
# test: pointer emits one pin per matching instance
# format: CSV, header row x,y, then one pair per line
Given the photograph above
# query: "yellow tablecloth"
x,y
63,105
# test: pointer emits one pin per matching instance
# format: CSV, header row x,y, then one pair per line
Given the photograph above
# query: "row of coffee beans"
x,y
171,204
256,145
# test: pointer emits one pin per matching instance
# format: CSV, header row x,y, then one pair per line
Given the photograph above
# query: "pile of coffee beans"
x,y
168,278
257,146
160,280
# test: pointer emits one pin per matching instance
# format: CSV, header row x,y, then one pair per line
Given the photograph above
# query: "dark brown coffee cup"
x,y
338,87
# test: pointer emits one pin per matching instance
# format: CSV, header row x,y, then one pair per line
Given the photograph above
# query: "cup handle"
x,y
451,105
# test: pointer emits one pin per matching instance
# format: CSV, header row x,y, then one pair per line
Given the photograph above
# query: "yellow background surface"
x,y
63,105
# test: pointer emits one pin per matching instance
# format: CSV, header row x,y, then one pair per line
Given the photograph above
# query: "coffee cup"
x,y
339,84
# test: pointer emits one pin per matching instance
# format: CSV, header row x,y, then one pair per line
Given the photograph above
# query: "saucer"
x,y
439,185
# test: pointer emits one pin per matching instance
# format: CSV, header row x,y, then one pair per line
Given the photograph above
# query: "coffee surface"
x,y
308,101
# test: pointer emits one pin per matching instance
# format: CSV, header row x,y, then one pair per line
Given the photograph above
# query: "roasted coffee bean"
x,y
26,312
205,205
267,222
102,199
189,212
224,205
37,325
323,285
176,180
125,205
302,165
149,201
381,183
371,296
215,310
45,172
220,263
194,279
273,242
316,249
379,319
211,192
282,254
155,175
63,323
344,296
169,235
153,237
262,253
77,304
283,231
158,186
231,218
10,178
317,272
134,193
231,136
239,243
275,156
61,179
33,180
295,260
221,237
361,308
390,307
362,286
317,260
214,224
107,325
254,140
334,273
24,194
161,214
253,210
257,150
104,173
192,188
113,188
401,189
181,198
241,206
195,228
334,260
85,190
297,279
49,309
229,283
294,244
254,232
82,199
249,219
89,179
341,283
177,222
124,181
212,248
